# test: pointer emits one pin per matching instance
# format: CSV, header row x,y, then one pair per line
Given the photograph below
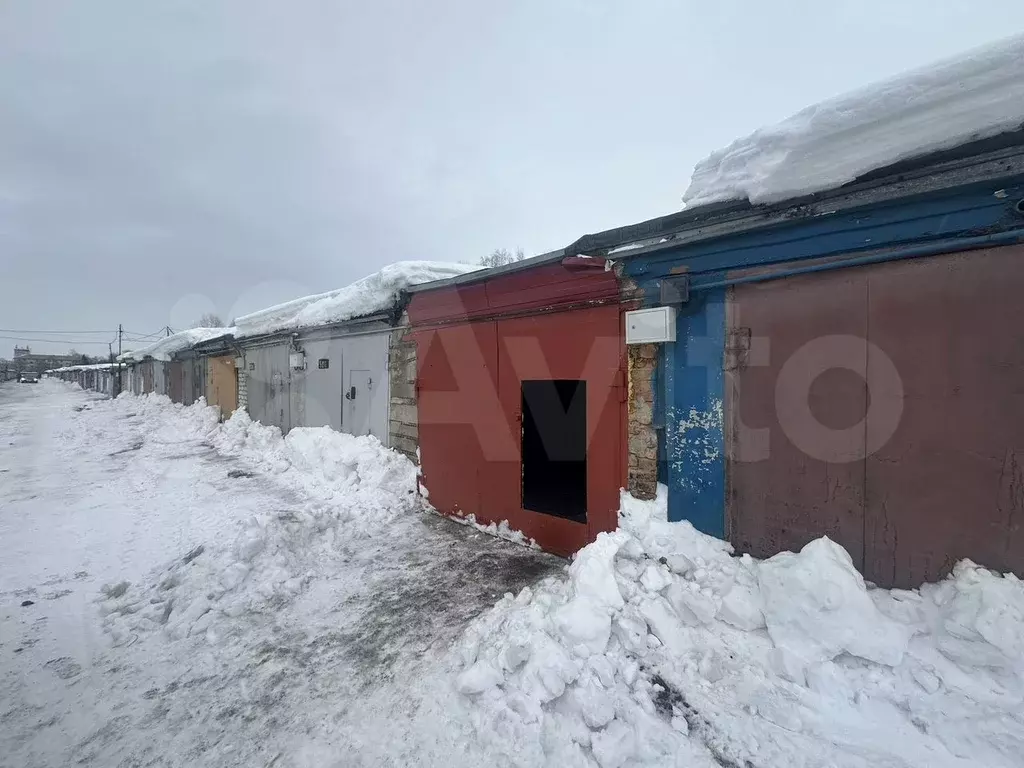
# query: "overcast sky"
x,y
159,160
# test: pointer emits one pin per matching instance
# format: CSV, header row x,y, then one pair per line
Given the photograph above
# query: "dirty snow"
x,y
502,530
206,593
163,349
375,293
974,96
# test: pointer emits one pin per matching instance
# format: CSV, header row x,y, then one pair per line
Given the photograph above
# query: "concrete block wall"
x,y
404,416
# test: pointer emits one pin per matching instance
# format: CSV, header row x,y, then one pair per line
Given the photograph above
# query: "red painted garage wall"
x,y
475,346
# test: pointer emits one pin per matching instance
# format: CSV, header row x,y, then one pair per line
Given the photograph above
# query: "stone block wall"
x,y
404,417
643,440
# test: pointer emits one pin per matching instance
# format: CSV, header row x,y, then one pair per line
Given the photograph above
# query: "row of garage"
x,y
849,365
332,376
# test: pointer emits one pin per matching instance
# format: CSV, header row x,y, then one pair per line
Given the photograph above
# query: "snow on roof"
x,y
164,348
975,96
372,294
89,367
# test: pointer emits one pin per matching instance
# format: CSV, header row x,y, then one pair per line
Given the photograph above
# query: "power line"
x,y
53,341
23,330
144,335
118,335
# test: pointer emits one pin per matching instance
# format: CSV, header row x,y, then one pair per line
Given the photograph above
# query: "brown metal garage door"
x,y
222,384
940,475
176,382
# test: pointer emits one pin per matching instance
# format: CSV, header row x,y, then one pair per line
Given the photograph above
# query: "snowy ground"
x,y
96,493
207,594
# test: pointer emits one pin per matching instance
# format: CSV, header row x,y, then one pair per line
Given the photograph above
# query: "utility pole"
x,y
120,332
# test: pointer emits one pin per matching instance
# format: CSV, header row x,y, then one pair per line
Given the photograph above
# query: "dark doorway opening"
x,y
555,448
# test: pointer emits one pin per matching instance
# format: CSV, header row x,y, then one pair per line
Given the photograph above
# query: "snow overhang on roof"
x,y
372,295
975,96
998,158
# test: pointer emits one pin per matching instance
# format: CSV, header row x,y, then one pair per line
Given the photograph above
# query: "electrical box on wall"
x,y
240,363
297,361
651,326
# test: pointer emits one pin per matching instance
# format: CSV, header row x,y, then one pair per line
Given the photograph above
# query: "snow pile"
x,y
502,530
375,293
350,486
975,96
816,607
164,348
659,647
330,466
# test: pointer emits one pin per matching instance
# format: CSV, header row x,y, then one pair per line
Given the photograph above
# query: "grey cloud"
x,y
243,151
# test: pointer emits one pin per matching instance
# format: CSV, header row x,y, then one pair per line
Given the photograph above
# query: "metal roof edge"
x,y
223,339
288,333
944,171
368,324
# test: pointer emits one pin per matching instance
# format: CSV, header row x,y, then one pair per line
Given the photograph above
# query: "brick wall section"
x,y
643,440
404,418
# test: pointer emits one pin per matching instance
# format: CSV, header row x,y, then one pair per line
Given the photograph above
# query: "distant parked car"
x,y
29,378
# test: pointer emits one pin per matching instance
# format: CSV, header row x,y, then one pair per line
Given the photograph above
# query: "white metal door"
x,y
358,396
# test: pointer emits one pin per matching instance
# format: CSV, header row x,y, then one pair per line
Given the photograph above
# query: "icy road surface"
x,y
319,656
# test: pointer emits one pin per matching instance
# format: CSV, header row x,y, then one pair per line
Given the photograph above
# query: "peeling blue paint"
x,y
694,437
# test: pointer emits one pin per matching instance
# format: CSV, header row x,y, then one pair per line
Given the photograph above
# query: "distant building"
x,y
24,360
